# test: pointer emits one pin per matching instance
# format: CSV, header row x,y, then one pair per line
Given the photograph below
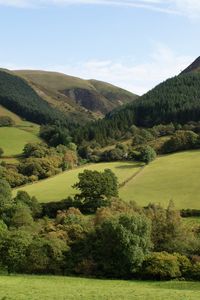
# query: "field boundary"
x,y
132,177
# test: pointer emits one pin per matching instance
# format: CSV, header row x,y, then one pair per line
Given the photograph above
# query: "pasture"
x,y
60,186
13,140
70,288
170,177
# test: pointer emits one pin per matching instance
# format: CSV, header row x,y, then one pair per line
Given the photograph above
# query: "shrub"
x,y
162,266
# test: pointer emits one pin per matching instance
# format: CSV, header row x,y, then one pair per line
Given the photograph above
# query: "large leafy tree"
x,y
96,187
121,244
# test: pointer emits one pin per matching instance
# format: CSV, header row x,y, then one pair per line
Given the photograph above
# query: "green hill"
x,y
170,177
13,140
78,98
20,98
176,100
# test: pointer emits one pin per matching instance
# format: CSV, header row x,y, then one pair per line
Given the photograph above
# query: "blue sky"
x,y
131,43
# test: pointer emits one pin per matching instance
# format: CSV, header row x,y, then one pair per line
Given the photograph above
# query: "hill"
x,y
13,140
20,98
59,187
170,177
194,67
176,100
82,100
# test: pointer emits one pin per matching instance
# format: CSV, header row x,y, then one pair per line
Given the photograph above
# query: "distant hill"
x,y
82,100
175,100
194,67
20,98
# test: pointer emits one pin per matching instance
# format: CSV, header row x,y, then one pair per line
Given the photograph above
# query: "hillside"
x,y
176,100
20,98
80,99
194,67
170,177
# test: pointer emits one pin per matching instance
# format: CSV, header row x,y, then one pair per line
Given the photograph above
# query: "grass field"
x,y
60,186
70,288
169,177
12,140
173,177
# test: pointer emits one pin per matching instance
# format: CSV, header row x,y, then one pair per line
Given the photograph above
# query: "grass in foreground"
x,y
13,140
69,288
171,177
60,186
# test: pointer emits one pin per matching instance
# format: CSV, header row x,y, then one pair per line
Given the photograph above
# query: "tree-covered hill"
x,y
81,100
17,96
175,100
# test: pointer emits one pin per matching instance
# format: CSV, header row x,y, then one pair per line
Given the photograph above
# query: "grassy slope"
x,y
169,177
51,86
70,288
12,140
60,186
173,177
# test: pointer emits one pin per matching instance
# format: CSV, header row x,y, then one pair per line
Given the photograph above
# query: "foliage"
x,y
6,121
14,94
96,188
175,100
181,140
147,154
121,244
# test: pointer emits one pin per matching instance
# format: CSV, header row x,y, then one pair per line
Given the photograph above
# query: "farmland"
x,y
168,177
60,186
13,140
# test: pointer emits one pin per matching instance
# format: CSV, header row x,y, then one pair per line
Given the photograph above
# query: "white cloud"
x,y
189,8
136,77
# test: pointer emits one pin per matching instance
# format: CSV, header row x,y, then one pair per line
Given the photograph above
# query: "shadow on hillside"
x,y
131,166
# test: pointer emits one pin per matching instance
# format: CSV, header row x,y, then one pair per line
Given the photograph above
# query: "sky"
x,y
134,44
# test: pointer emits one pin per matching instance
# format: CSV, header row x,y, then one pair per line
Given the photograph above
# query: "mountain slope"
x,y
85,99
176,100
194,67
18,97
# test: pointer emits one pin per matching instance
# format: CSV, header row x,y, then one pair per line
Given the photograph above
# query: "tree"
x,y
147,154
22,217
181,140
96,188
32,203
121,244
5,196
161,265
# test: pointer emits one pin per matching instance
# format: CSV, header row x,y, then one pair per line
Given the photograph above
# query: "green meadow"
x,y
60,186
70,288
13,140
171,177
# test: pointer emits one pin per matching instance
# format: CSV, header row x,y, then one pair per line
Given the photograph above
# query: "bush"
x,y
147,154
162,266
182,140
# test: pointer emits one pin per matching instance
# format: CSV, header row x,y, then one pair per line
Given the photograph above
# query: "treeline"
x,y
176,100
17,96
39,162
120,240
